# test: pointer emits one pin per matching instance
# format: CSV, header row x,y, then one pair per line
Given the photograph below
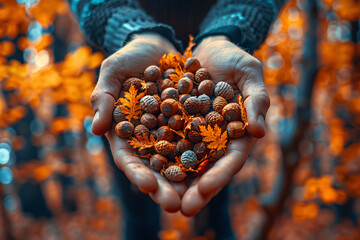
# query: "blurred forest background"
x,y
301,182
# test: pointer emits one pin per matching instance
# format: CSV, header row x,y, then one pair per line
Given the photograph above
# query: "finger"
x,y
106,92
180,188
226,167
193,200
250,82
132,166
166,196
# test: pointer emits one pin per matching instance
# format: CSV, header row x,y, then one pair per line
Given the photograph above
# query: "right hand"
x,y
130,61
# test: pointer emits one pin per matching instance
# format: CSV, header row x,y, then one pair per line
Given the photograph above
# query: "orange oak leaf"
x,y
170,60
188,51
143,141
214,137
130,105
243,112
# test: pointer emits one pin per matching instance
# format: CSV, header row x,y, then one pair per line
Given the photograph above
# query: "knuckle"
x,y
94,97
107,63
254,63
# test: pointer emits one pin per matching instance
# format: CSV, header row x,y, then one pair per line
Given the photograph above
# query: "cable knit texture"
x,y
109,24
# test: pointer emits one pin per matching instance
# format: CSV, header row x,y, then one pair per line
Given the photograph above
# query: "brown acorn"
x,y
143,152
176,122
183,145
235,97
169,107
201,75
194,136
192,105
149,120
152,88
224,89
154,133
163,147
132,81
205,103
174,173
152,73
206,87
185,85
219,103
170,93
157,162
189,75
149,104
188,159
118,116
196,122
235,129
162,120
140,129
164,84
231,112
216,154
183,98
124,129
194,92
165,133
171,156
168,72
200,150
214,118
192,64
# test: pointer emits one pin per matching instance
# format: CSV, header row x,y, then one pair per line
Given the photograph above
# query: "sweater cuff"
x,y
118,32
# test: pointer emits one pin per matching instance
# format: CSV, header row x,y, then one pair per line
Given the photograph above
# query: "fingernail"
x,y
261,121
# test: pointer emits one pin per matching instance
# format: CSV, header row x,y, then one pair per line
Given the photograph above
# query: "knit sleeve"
x,y
245,22
109,24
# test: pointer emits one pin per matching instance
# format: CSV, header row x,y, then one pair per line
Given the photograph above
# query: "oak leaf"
x,y
243,112
142,141
213,136
129,104
188,51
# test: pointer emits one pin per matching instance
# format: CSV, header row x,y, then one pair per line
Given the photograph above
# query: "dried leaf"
x,y
142,142
214,137
188,51
243,112
130,105
170,61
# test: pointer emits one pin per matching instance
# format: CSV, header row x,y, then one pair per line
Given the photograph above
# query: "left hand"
x,y
227,62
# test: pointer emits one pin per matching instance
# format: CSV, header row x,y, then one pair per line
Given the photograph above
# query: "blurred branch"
x,y
298,123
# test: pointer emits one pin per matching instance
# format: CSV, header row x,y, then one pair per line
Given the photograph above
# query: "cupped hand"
x,y
227,62
130,61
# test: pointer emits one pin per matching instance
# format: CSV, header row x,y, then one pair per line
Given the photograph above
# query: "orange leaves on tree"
x,y
213,136
142,142
129,104
45,11
302,211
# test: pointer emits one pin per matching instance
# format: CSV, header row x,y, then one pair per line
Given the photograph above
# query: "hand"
x,y
130,61
227,62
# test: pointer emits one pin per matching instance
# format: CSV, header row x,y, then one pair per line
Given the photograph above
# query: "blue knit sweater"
x,y
109,24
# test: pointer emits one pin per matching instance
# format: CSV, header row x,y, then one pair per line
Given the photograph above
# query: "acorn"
x,y
216,154
168,72
154,133
124,129
149,120
214,118
170,93
188,159
236,96
164,84
176,122
143,152
174,173
163,147
192,64
157,162
206,87
231,112
173,154
192,105
219,103
169,107
152,73
224,89
185,85
118,116
152,88
201,75
183,145
194,92
140,129
149,104
189,75
132,81
196,122
183,98
194,136
162,120
205,103
200,150
235,129
165,133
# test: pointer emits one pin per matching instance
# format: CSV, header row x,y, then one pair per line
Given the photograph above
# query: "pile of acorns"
x,y
172,112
